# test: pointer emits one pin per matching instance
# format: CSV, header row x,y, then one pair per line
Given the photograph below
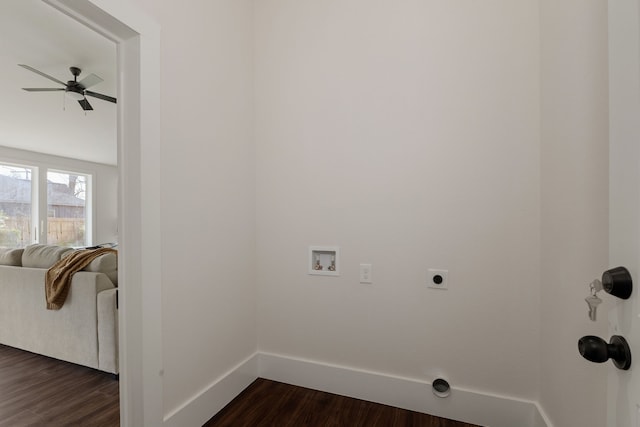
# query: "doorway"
x,y
138,44
70,138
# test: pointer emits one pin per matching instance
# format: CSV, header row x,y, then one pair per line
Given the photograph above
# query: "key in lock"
x,y
593,302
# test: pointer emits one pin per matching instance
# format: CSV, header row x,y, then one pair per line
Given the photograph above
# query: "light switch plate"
x,y
366,273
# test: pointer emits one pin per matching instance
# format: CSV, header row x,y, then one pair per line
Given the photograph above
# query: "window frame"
x,y
88,206
39,202
34,199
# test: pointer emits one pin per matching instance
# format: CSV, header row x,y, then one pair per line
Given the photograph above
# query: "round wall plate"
x,y
622,358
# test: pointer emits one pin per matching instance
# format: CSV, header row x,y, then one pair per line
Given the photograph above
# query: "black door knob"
x,y
595,349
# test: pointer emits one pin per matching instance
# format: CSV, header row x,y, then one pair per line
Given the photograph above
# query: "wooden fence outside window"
x,y
16,232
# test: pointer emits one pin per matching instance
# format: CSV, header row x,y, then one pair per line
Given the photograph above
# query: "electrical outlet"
x,y
366,273
438,279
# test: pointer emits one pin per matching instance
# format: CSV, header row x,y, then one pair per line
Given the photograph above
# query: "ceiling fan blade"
x,y
90,80
85,104
42,74
42,89
100,96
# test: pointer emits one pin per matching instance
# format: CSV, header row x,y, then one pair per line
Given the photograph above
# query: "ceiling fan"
x,y
73,88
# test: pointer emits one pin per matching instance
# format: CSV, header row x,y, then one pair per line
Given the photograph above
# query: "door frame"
x,y
137,38
623,394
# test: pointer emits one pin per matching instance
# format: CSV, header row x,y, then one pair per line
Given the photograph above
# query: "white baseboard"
x,y
542,420
462,405
199,409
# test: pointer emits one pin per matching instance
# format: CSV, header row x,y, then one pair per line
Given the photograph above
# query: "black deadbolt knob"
x,y
617,282
595,349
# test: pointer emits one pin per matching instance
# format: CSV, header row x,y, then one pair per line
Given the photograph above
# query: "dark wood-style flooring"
x,y
269,403
39,391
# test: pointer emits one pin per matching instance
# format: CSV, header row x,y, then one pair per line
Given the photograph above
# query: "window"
x,y
66,208
58,216
15,205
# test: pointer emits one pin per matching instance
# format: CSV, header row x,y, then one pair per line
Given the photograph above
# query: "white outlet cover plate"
x,y
432,275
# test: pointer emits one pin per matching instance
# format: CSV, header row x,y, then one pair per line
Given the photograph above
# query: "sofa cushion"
x,y
11,256
107,264
43,256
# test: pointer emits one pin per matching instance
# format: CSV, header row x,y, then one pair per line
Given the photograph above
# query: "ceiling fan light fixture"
x,y
77,96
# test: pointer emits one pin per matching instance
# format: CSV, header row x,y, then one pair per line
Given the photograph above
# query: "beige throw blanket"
x,y
58,278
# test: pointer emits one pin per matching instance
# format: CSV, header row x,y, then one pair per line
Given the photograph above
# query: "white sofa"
x,y
83,331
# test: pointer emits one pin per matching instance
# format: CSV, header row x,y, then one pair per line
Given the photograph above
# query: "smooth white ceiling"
x,y
35,34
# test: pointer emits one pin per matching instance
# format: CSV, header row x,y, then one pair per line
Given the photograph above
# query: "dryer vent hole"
x,y
441,387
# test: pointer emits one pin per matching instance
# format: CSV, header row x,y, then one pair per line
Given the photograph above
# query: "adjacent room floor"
x,y
40,391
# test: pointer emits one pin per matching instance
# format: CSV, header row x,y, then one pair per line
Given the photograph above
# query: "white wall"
x,y
407,133
208,191
105,182
574,205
